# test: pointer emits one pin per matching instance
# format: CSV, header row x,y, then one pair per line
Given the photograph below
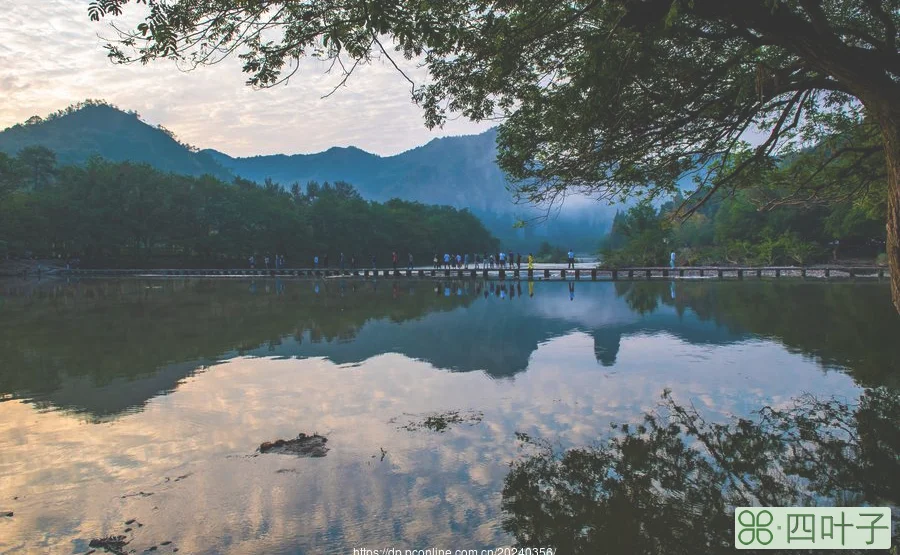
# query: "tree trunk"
x,y
889,120
893,215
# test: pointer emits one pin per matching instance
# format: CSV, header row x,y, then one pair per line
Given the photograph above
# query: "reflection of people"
x,y
530,286
317,288
672,288
571,290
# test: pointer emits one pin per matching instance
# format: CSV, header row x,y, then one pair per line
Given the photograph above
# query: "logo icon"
x,y
755,527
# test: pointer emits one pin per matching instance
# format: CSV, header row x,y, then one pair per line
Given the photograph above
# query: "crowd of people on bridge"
x,y
498,260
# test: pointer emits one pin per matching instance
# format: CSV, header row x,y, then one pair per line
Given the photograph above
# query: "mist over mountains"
x,y
458,171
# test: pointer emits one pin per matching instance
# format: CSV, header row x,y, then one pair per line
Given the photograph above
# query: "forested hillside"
x,y
459,171
129,214
456,171
96,128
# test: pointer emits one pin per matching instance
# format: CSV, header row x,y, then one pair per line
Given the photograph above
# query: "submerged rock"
x,y
113,544
303,446
441,422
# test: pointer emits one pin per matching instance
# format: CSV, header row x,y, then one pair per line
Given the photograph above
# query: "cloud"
x,y
53,56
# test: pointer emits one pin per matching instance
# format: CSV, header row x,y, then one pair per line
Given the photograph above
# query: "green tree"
x,y
616,98
39,165
645,236
10,175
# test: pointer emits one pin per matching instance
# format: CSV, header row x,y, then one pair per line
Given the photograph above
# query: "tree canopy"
x,y
614,98
128,214
732,231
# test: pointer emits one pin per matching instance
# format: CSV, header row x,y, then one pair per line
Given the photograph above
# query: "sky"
x,y
52,55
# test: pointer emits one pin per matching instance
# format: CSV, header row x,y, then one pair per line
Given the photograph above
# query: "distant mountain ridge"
x,y
102,130
458,171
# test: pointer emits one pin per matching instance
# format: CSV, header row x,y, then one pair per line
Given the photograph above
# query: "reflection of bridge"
x,y
559,272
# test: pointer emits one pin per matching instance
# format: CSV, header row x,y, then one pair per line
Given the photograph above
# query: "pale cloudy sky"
x,y
51,56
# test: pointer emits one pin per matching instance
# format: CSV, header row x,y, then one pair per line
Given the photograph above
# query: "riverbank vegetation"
x,y
550,254
124,214
732,229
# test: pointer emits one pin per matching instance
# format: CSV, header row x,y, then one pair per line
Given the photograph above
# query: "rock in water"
x,y
113,544
303,446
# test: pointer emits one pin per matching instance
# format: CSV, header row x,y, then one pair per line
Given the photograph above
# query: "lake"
x,y
458,414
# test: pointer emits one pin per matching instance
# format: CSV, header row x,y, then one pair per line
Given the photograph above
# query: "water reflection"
x,y
355,358
670,483
136,339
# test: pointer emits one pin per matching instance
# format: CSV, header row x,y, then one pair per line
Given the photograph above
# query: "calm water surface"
x,y
147,400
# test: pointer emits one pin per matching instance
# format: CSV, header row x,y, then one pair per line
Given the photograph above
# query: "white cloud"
x,y
52,55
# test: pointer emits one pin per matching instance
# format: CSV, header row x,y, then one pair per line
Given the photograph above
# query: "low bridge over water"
x,y
542,273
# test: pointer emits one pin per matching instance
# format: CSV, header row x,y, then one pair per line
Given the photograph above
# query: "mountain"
x,y
458,171
92,128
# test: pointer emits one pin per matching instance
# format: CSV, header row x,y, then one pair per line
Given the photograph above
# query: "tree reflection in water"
x,y
669,485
